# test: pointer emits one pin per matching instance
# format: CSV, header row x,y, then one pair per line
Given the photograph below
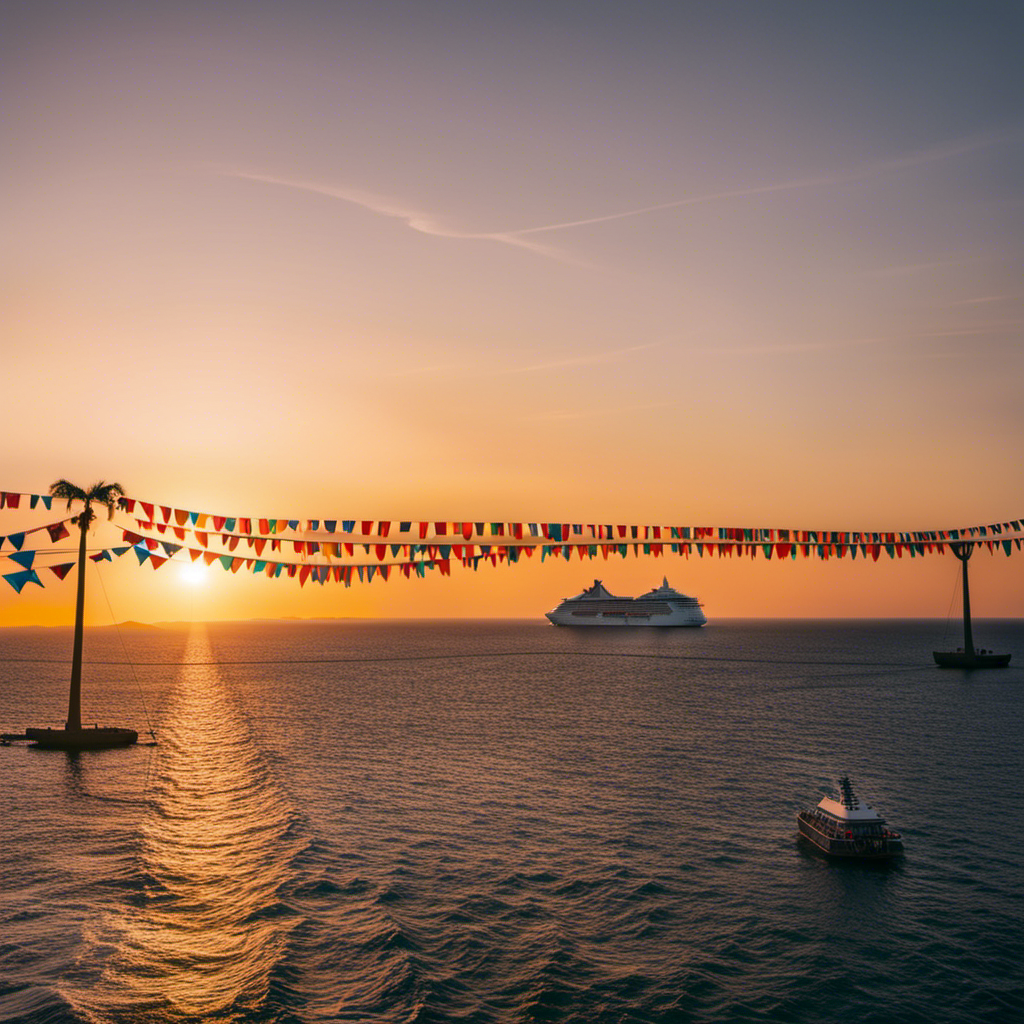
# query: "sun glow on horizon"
x,y
193,574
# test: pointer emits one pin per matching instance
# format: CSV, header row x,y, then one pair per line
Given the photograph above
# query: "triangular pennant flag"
x,y
100,556
57,531
142,553
19,579
23,558
16,539
60,571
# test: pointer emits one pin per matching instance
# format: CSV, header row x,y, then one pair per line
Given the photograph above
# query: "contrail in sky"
x,y
418,221
869,170
429,225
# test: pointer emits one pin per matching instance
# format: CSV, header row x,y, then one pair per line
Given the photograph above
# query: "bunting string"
x,y
362,550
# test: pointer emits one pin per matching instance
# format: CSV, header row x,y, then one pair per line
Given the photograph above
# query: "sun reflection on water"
x,y
216,847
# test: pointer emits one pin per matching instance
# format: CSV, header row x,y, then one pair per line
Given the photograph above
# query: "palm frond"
x,y
106,494
101,493
67,491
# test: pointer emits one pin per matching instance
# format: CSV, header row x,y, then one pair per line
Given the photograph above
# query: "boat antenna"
x,y
127,656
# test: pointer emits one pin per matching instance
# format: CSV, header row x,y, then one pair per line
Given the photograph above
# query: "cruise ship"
x,y
662,606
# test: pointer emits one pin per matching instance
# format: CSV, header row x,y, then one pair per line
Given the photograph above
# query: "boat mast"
x,y
75,696
963,552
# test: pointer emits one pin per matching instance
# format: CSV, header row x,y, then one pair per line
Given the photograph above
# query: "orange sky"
x,y
375,261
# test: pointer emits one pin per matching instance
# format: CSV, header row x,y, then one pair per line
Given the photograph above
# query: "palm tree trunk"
x,y
75,697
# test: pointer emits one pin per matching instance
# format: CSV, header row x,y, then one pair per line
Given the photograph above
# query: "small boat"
x,y
848,828
968,656
96,738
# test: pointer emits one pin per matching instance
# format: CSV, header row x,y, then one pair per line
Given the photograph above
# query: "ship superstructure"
x,y
847,827
595,606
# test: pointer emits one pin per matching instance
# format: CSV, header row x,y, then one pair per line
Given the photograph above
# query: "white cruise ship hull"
x,y
596,606
585,617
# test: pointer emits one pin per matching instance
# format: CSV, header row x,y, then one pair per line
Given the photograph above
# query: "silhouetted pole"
x,y
75,697
963,552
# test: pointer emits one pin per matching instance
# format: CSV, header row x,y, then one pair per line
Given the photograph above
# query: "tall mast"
x,y
75,697
963,552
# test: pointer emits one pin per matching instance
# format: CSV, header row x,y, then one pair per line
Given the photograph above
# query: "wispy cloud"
x,y
978,330
567,362
429,224
945,151
912,269
602,411
588,359
425,223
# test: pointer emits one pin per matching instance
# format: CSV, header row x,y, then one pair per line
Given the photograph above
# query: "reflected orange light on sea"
x,y
198,939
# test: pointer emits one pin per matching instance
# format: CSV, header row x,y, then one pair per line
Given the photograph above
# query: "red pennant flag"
x,y
441,529
367,527
384,527
58,531
209,557
303,574
157,561
179,533
194,553
218,523
60,571
147,507
181,516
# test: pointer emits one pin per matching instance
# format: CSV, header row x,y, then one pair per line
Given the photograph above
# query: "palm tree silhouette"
x,y
99,494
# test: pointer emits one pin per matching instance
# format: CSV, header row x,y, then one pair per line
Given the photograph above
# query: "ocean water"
x,y
505,821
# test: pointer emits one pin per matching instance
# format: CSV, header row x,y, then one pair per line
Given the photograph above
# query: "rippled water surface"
x,y
510,822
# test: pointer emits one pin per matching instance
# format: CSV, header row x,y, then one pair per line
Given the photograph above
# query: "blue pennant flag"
x,y
19,579
141,552
23,558
17,539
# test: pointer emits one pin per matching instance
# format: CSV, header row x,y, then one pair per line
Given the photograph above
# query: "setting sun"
x,y
193,574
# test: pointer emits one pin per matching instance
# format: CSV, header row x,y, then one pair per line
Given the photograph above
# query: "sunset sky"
x,y
742,264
